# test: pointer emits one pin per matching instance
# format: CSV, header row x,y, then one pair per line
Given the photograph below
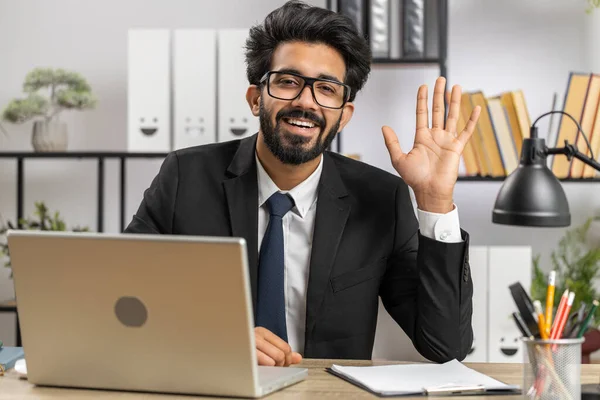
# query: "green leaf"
x,y
22,110
46,221
576,266
73,99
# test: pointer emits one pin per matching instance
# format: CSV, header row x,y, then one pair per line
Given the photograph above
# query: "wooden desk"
x,y
319,384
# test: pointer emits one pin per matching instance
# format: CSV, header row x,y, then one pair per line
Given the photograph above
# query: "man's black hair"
x,y
296,21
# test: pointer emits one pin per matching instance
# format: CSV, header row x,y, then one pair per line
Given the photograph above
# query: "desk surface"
x,y
319,384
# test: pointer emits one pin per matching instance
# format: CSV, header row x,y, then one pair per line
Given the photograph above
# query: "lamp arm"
x,y
571,151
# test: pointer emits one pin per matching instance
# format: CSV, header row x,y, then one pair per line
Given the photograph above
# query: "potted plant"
x,y
577,266
45,221
64,90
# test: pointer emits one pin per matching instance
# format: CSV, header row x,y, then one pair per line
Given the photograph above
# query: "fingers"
x,y
276,349
264,359
437,116
422,115
391,142
454,109
465,135
274,354
296,358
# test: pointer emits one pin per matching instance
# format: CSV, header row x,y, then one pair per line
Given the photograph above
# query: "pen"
x,y
541,320
588,318
550,300
562,317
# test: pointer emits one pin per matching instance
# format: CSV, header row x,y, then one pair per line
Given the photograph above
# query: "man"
x,y
327,235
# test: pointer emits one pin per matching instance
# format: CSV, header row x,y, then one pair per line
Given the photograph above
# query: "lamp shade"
x,y
531,195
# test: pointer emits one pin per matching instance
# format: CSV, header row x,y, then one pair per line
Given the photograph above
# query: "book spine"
x,y
379,28
414,28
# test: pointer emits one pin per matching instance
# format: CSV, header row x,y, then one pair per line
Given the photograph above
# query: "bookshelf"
x,y
440,16
20,158
441,31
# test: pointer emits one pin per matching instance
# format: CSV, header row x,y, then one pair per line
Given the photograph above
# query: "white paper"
x,y
415,378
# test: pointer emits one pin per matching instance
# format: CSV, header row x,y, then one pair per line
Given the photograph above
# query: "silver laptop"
x,y
154,313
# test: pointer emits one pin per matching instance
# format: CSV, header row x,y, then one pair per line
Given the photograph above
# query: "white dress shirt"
x,y
298,226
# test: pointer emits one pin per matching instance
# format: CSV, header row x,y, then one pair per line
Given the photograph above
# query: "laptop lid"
x,y
135,312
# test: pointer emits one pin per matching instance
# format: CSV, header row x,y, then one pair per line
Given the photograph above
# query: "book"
x,y
488,136
469,157
379,28
504,136
574,102
9,356
589,171
451,377
356,11
518,117
588,116
413,13
476,141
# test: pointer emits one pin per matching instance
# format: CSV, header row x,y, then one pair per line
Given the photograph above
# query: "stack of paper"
x,y
411,379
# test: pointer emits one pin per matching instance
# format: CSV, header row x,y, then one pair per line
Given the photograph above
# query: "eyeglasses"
x,y
288,86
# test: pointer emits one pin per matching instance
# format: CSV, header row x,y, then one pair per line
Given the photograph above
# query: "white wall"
x,y
493,46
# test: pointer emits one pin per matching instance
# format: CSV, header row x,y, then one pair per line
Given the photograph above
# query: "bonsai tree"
x,y
45,221
65,90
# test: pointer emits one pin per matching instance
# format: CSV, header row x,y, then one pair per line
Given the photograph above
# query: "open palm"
x,y
431,167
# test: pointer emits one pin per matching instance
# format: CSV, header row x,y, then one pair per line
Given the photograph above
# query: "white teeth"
x,y
301,123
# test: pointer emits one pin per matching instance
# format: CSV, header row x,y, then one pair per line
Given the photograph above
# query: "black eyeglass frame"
x,y
307,82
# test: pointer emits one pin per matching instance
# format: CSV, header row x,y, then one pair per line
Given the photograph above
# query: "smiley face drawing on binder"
x,y
509,346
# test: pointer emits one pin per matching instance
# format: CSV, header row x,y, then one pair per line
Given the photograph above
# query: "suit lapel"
x,y
241,192
333,209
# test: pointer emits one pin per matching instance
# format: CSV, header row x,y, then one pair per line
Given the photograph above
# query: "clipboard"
x,y
423,380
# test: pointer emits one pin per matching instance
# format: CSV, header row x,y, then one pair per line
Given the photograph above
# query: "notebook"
x,y
8,357
449,378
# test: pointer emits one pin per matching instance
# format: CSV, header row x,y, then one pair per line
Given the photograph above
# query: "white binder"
x,y
148,90
235,118
194,87
507,265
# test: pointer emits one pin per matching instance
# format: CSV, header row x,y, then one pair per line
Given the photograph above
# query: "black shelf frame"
x,y
502,178
100,157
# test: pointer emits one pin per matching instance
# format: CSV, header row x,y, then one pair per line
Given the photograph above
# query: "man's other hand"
x,y
271,350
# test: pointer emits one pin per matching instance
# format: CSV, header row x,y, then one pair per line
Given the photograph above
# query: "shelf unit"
x,y
442,31
441,61
20,158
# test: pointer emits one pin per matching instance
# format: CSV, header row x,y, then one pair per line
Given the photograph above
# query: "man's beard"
x,y
288,147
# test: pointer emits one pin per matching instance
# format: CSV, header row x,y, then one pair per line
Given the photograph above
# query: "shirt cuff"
x,y
440,227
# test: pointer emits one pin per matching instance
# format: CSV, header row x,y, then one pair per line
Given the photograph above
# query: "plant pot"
x,y
49,136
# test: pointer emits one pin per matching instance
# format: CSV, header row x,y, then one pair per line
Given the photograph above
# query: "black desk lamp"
x,y
531,195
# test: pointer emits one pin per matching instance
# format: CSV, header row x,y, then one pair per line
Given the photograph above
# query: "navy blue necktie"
x,y
270,312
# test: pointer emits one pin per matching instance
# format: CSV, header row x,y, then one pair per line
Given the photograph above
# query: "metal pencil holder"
x,y
552,369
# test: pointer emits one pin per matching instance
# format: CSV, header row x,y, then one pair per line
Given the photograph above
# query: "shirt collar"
x,y
304,194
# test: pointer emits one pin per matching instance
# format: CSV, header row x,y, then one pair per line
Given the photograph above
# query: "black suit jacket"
x,y
366,244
